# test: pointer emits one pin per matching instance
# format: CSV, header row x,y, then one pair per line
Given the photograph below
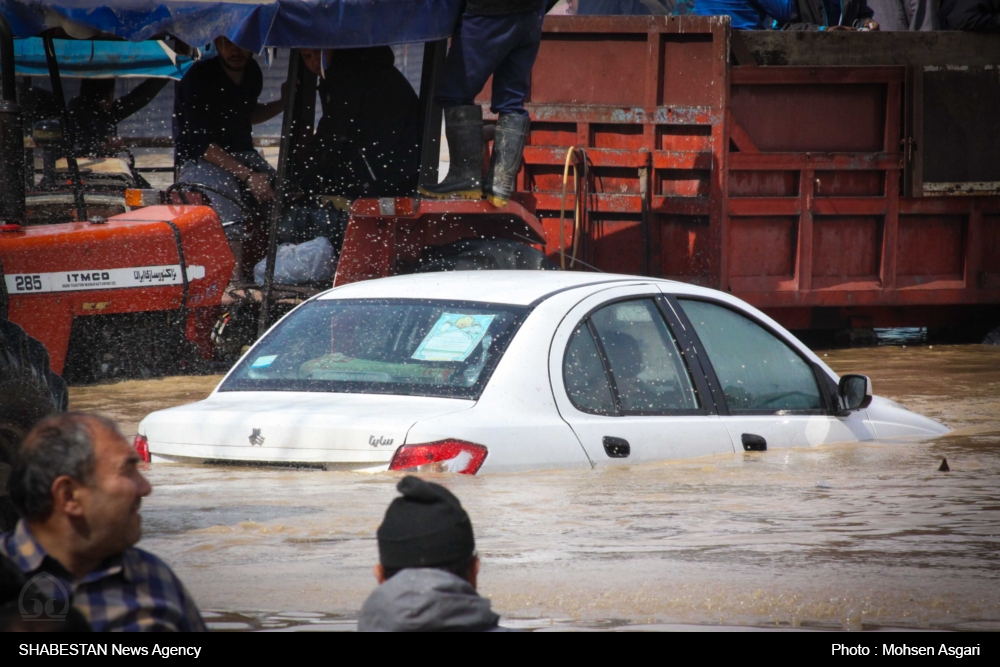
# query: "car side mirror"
x,y
47,133
854,393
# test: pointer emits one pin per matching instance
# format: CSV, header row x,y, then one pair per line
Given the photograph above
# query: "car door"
x,y
623,384
774,396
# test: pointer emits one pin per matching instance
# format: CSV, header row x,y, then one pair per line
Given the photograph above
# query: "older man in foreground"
x,y
78,488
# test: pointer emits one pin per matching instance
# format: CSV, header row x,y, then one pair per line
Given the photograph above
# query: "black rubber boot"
x,y
508,146
463,126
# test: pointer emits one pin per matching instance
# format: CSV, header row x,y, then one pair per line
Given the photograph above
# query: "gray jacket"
x,y
426,600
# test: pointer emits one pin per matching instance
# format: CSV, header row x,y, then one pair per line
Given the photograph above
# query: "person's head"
x,y
76,473
313,60
98,91
318,61
624,354
426,527
233,57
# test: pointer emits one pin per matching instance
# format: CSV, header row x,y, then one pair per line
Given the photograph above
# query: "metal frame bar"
x,y
69,133
12,208
430,147
292,102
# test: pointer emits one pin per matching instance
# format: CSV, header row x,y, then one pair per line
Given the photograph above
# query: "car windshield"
x,y
411,347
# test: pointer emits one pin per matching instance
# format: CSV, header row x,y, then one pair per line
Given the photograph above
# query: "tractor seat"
x,y
104,166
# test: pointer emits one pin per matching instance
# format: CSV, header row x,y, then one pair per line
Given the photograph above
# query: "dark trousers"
x,y
504,46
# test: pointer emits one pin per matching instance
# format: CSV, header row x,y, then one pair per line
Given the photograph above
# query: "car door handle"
x,y
753,443
616,448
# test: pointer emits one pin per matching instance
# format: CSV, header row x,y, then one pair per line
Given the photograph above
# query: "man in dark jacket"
x,y
973,15
826,15
427,567
498,38
95,113
367,143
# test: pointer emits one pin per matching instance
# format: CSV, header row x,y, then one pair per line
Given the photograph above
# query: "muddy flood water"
x,y
844,536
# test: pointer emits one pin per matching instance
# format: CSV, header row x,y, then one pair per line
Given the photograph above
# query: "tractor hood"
x,y
293,427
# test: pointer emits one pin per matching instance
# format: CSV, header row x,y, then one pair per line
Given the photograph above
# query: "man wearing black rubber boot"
x,y
498,38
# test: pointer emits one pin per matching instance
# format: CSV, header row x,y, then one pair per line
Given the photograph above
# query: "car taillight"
x,y
442,456
141,445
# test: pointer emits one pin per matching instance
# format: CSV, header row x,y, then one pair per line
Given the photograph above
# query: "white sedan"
x,y
488,371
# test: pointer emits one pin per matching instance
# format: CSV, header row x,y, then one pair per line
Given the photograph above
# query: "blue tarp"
x,y
253,24
100,59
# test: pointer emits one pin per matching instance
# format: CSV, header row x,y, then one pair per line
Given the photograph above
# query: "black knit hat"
x,y
426,527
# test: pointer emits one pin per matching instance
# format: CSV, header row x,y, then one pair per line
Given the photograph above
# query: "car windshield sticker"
x,y
263,362
453,337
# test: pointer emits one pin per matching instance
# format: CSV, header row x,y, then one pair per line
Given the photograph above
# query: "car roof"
x,y
511,287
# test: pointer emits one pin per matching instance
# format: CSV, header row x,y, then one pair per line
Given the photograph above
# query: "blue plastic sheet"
x,y
100,59
253,24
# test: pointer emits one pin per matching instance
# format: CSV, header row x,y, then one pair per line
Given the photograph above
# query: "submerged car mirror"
x,y
854,392
47,133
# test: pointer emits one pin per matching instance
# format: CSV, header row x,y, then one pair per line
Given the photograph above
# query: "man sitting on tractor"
x,y
95,114
215,109
367,143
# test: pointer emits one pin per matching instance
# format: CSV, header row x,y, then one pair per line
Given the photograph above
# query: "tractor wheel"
x,y
235,330
992,338
29,390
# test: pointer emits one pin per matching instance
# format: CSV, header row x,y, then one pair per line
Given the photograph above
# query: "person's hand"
x,y
871,24
259,185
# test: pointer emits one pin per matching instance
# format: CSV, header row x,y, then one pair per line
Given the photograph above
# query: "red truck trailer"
x,y
834,181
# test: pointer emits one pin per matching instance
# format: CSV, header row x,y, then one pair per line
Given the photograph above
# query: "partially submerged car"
x,y
510,370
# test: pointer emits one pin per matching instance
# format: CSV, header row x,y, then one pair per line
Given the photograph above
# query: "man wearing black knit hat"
x,y
427,567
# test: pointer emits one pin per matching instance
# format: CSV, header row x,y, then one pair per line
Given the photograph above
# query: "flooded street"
x,y
839,536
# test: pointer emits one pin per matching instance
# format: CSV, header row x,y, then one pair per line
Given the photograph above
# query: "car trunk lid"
x,y
292,426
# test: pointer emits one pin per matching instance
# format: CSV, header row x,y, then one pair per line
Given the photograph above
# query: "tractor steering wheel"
x,y
203,189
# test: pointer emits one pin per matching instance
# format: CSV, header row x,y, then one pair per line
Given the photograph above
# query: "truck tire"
x,y
29,390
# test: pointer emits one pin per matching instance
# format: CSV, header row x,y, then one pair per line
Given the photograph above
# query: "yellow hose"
x,y
562,211
577,213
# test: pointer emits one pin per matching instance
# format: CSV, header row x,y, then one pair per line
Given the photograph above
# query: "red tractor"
x,y
106,295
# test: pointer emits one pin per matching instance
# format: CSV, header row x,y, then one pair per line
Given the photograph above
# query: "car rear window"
x,y
409,347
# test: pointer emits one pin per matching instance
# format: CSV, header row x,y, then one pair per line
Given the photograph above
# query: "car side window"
x,y
645,361
584,375
758,372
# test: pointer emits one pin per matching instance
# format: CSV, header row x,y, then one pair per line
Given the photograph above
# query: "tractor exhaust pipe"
x,y
11,135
